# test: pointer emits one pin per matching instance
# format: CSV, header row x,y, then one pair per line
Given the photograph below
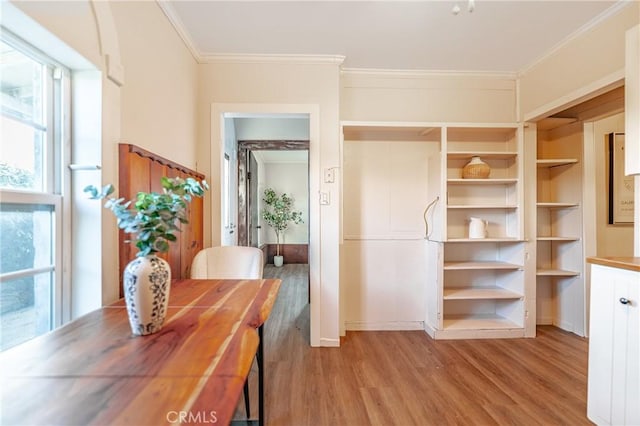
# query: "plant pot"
x,y
278,261
147,281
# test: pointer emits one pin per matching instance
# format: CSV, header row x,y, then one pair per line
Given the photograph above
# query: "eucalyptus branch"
x,y
153,217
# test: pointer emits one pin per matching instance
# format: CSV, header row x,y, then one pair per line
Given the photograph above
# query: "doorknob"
x,y
625,301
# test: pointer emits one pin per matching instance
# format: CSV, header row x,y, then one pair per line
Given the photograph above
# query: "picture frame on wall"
x,y
621,187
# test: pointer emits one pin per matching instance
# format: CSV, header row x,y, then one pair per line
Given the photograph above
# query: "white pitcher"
x,y
477,228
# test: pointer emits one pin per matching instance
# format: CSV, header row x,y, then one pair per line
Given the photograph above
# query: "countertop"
x,y
628,263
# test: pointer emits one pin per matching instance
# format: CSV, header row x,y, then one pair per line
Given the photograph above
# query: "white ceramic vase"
x,y
147,282
278,261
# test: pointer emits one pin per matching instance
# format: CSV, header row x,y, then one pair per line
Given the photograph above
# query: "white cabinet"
x,y
476,286
614,346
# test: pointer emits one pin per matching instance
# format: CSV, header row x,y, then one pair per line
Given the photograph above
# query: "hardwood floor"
x,y
407,378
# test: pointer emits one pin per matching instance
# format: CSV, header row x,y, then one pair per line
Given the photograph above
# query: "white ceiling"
x,y
498,36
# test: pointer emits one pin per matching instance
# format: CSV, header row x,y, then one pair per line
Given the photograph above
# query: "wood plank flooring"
x,y
407,378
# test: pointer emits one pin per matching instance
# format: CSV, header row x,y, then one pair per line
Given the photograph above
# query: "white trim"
x,y
617,7
211,58
330,343
595,88
384,325
177,24
440,124
25,273
429,73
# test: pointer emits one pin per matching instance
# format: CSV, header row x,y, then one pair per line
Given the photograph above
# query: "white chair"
x,y
235,263
228,262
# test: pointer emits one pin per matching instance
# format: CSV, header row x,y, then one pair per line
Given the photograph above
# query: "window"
x,y
34,107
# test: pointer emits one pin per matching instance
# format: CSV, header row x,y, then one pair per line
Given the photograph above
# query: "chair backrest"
x,y
228,262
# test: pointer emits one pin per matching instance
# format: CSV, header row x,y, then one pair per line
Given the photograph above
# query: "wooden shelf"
x,y
560,239
557,205
556,273
461,265
480,293
477,322
488,181
484,240
482,206
498,155
555,162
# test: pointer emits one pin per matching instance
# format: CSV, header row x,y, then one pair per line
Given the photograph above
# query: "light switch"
x,y
329,176
324,198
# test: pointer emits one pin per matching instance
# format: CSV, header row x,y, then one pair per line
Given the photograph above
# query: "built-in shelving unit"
x,y
477,290
559,248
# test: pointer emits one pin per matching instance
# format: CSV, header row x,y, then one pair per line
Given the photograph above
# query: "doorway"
x,y
224,134
249,187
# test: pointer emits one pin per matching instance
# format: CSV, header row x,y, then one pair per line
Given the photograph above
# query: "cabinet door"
x,y
625,401
614,370
601,331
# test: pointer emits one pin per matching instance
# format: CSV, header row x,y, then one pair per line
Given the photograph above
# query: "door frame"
x,y
218,113
244,147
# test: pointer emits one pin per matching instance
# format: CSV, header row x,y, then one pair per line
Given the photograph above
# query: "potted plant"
x,y
154,219
278,213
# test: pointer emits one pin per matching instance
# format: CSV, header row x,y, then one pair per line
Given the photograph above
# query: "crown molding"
x,y
428,73
613,10
270,58
173,18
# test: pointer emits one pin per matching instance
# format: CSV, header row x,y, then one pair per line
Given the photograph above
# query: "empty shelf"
x,y
557,205
482,206
555,162
561,239
556,273
478,322
461,265
478,293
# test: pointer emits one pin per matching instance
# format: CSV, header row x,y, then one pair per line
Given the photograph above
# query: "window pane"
x,y
21,85
26,237
21,156
25,309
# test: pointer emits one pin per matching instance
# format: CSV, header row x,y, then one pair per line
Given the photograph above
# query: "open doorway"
x,y
254,146
283,166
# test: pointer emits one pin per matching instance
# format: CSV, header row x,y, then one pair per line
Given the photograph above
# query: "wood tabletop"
x,y
94,371
629,263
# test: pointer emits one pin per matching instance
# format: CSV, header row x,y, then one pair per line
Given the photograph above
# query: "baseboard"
x,y
292,253
330,343
384,325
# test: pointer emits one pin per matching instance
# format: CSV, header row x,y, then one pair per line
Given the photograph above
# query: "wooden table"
x,y
94,371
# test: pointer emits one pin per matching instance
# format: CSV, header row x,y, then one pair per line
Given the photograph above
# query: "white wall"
x,y
158,99
612,240
398,96
148,93
292,179
384,253
282,128
311,88
586,63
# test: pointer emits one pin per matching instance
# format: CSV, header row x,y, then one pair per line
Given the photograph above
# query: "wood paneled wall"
x,y
141,171
292,253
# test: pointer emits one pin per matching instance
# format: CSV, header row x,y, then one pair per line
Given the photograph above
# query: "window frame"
x,y
57,185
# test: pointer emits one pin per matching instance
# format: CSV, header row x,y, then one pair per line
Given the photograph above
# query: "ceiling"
x,y
497,36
